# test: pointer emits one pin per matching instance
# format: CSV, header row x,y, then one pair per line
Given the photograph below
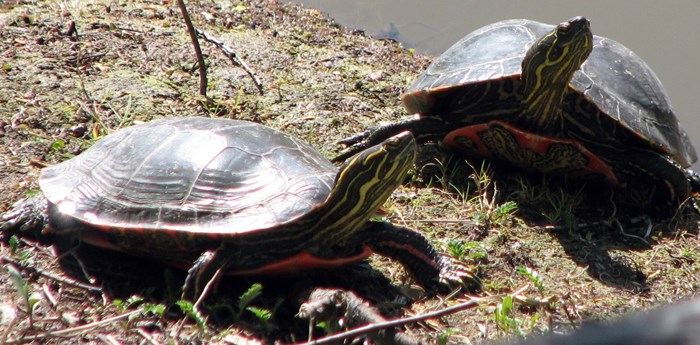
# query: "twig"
x,y
59,279
353,333
205,292
461,221
197,49
73,330
234,58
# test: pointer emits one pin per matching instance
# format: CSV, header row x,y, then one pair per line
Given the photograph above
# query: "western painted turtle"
x,y
234,195
553,99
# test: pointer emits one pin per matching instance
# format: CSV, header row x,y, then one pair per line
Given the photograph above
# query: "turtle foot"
x,y
357,138
351,151
26,216
456,275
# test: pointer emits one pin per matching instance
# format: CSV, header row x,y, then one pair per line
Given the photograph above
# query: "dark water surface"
x,y
665,34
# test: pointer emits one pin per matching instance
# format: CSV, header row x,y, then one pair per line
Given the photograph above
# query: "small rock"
x,y
78,130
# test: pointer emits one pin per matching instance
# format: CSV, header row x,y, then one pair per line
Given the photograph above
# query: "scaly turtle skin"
x,y
553,99
230,194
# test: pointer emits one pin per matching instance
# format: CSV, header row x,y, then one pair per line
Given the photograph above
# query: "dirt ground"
x,y
74,71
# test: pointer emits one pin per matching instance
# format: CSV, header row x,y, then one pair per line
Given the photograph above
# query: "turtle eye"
x,y
563,29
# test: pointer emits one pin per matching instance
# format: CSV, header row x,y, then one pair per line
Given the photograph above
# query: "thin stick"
x,y
462,221
205,292
197,49
234,58
59,279
72,331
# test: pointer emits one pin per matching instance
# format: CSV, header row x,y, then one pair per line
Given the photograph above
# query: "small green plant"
x,y
533,276
138,301
553,202
444,336
504,318
505,211
124,305
30,299
57,145
327,327
562,207
260,313
509,324
188,308
488,211
263,314
23,256
247,297
14,244
472,251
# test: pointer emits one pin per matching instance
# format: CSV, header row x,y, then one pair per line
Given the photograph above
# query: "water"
x,y
664,34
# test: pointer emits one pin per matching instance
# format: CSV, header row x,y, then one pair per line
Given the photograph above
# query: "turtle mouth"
x,y
577,24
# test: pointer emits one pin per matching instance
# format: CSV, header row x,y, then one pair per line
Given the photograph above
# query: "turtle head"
x,y
550,63
372,175
367,179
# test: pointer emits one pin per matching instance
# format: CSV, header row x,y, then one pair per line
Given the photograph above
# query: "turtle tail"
x,y
26,216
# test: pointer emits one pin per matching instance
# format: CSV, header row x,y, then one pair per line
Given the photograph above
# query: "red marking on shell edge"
x,y
301,262
529,141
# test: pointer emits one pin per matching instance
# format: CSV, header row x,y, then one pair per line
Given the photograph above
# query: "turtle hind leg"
x,y
204,271
26,216
418,256
659,184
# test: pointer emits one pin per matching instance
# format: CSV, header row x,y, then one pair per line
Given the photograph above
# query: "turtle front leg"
x,y
30,215
418,256
423,129
653,181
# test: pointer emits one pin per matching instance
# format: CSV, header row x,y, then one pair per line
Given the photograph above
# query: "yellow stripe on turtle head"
x,y
548,67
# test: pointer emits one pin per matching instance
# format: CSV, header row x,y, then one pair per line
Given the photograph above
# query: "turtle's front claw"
x,y
455,274
351,151
357,138
26,216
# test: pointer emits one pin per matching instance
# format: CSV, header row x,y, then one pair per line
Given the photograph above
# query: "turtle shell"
x,y
486,66
195,175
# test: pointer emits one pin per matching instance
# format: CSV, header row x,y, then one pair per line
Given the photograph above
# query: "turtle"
x,y
206,194
554,100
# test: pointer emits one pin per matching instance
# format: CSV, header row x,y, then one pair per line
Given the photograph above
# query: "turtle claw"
x,y
456,275
357,138
353,145
26,215
351,151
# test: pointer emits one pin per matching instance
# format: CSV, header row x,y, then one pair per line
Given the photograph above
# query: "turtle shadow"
x,y
604,250
601,242
121,277
594,248
599,246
